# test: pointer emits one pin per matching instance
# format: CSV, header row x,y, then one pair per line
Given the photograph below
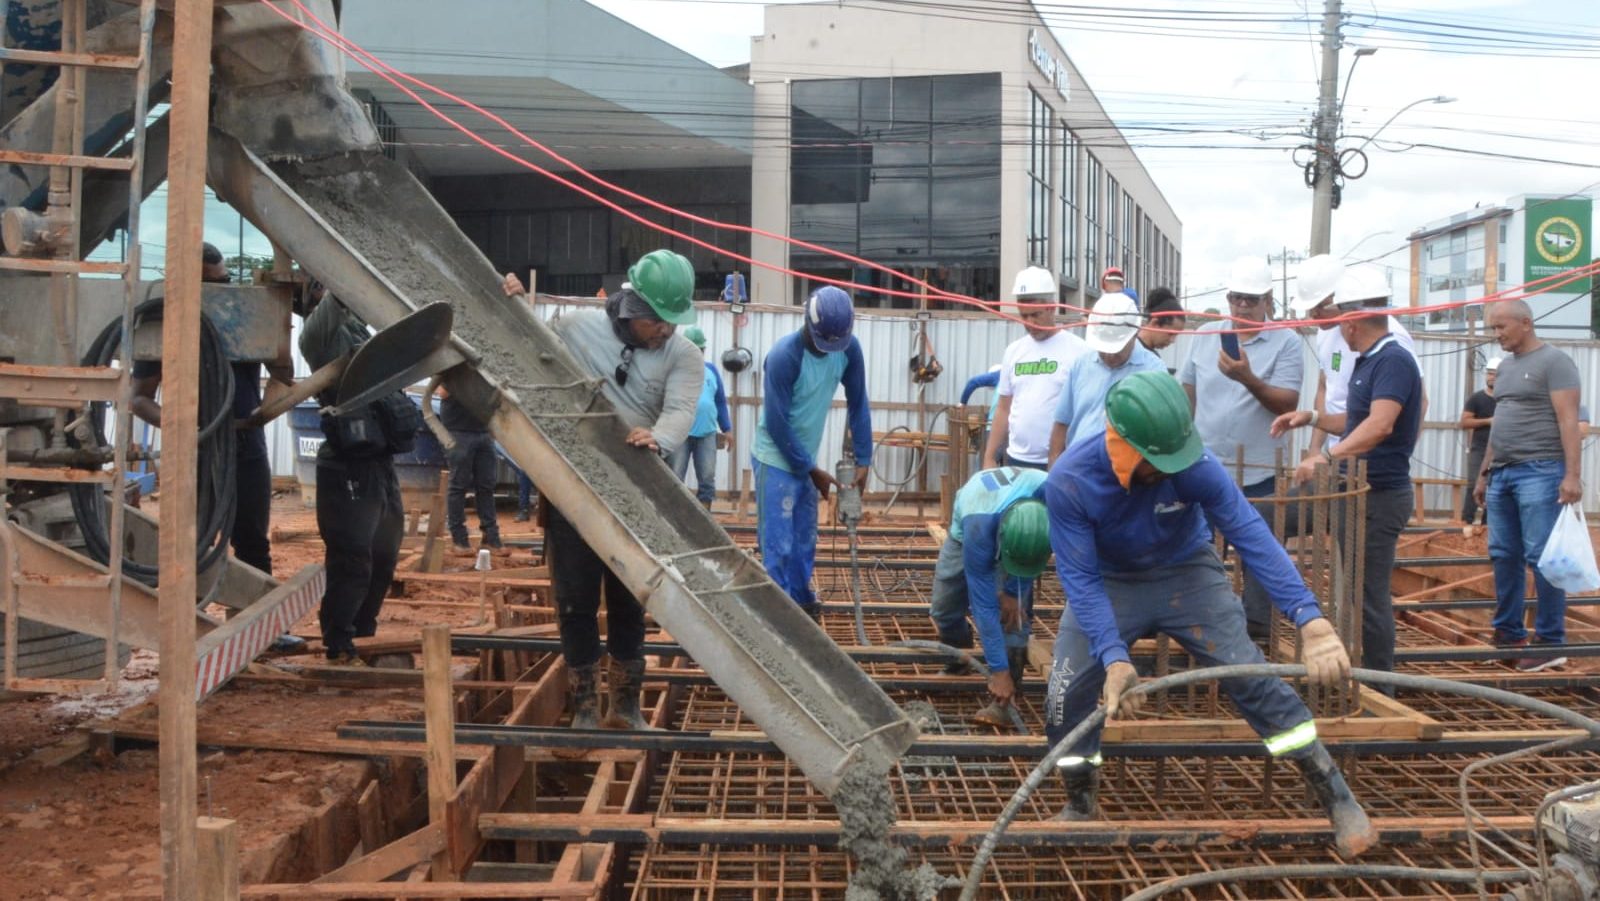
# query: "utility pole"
x,y
1288,256
1326,128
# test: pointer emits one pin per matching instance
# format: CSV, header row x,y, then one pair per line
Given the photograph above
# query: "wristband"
x,y
1328,455
1315,417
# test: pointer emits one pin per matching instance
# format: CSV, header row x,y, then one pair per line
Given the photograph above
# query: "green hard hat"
x,y
666,281
695,336
1151,412
1025,539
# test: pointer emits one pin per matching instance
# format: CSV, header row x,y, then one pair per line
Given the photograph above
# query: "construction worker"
x,y
1112,334
653,377
802,372
1032,371
359,514
709,433
474,466
1128,523
1381,424
252,468
1111,280
998,529
1477,415
1164,318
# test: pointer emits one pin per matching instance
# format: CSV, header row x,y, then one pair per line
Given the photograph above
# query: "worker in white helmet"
x,y
1032,373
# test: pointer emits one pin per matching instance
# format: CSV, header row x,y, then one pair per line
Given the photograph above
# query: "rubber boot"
x,y
957,667
1352,831
1083,791
626,680
583,686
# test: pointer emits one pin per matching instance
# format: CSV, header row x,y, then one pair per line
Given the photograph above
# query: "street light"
x,y
1374,135
1351,252
1350,76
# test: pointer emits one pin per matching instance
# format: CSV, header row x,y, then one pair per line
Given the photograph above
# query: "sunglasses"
x,y
1246,300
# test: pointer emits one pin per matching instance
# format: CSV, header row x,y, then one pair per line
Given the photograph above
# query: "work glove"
x,y
1120,678
1327,664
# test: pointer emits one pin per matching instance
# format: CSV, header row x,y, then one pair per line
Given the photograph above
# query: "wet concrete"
x,y
866,814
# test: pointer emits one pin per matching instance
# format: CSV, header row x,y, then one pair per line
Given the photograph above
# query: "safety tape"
x,y
1291,740
1074,760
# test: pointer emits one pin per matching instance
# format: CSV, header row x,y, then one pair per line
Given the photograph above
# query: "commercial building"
x,y
958,145
1532,239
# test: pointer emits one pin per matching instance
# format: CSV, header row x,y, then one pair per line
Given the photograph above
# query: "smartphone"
x,y
1230,345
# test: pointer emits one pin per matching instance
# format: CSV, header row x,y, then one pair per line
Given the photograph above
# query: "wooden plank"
x,y
180,348
439,709
432,558
1381,705
402,853
71,160
409,890
218,859
369,818
1183,731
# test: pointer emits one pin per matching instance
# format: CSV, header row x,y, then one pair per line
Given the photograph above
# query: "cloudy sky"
x,y
1523,75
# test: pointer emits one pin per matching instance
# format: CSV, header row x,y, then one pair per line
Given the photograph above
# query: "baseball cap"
x,y
1112,272
1113,322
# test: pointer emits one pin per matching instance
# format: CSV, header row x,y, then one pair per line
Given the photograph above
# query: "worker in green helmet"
x,y
653,377
1130,518
998,543
709,433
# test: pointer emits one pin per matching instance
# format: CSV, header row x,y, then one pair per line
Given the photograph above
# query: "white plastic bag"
x,y
1568,558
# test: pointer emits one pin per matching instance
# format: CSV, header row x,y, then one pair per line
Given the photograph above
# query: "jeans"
x,y
1522,502
1469,506
253,516
473,467
950,603
362,524
525,492
577,577
1192,601
786,529
703,450
1388,511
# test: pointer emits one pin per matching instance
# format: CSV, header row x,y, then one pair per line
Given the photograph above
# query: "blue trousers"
x,y
950,603
1522,502
786,529
702,450
1193,602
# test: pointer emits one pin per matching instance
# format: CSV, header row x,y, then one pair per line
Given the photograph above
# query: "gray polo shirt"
x,y
1525,426
1228,416
663,386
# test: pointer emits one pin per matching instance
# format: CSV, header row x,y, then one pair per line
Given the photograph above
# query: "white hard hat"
x,y
1034,281
1364,285
1113,322
1492,365
1250,275
1314,281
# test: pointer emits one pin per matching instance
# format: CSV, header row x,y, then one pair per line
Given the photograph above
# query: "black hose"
x,y
1325,871
215,501
1034,779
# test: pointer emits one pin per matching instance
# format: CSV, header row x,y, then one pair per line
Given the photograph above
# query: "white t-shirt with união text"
x,y
1032,374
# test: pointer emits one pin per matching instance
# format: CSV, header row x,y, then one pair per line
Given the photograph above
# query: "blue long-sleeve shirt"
x,y
1098,527
975,523
797,391
711,413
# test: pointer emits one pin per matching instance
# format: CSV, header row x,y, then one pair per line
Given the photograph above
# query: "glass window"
x,y
1092,219
1130,222
1475,236
902,171
1113,224
1041,163
1069,204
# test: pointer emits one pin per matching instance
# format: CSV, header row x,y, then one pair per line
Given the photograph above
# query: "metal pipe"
x,y
446,440
1257,670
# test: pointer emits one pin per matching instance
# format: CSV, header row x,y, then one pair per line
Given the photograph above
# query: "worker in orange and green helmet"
x,y
998,543
1130,521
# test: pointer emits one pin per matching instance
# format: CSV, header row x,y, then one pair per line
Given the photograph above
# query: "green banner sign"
x,y
1558,241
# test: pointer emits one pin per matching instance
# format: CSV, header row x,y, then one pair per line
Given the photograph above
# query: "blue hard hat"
x,y
829,317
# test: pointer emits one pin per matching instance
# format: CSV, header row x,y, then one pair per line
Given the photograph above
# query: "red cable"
x,y
373,64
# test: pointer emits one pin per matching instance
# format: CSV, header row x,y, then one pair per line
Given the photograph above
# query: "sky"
x,y
1523,89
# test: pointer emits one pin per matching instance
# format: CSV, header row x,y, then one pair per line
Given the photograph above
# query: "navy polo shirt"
x,y
1387,372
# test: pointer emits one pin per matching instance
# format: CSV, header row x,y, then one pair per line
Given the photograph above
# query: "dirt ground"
x,y
89,827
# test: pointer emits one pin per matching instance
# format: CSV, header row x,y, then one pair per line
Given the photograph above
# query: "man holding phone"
x,y
1247,377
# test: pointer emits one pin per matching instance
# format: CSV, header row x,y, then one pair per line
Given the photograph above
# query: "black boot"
x,y
957,667
1352,831
583,688
1083,791
627,679
1017,661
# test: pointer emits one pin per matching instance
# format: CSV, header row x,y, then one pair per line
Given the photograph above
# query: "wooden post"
x,y
439,710
218,859
180,348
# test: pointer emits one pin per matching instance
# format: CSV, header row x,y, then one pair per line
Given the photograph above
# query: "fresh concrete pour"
x,y
866,814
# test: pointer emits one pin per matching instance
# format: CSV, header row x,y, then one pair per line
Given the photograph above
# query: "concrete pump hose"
x,y
945,651
980,862
1324,871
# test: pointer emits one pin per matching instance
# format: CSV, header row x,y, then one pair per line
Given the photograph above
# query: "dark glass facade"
x,y
901,171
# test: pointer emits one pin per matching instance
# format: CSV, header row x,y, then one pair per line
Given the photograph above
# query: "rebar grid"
x,y
759,873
